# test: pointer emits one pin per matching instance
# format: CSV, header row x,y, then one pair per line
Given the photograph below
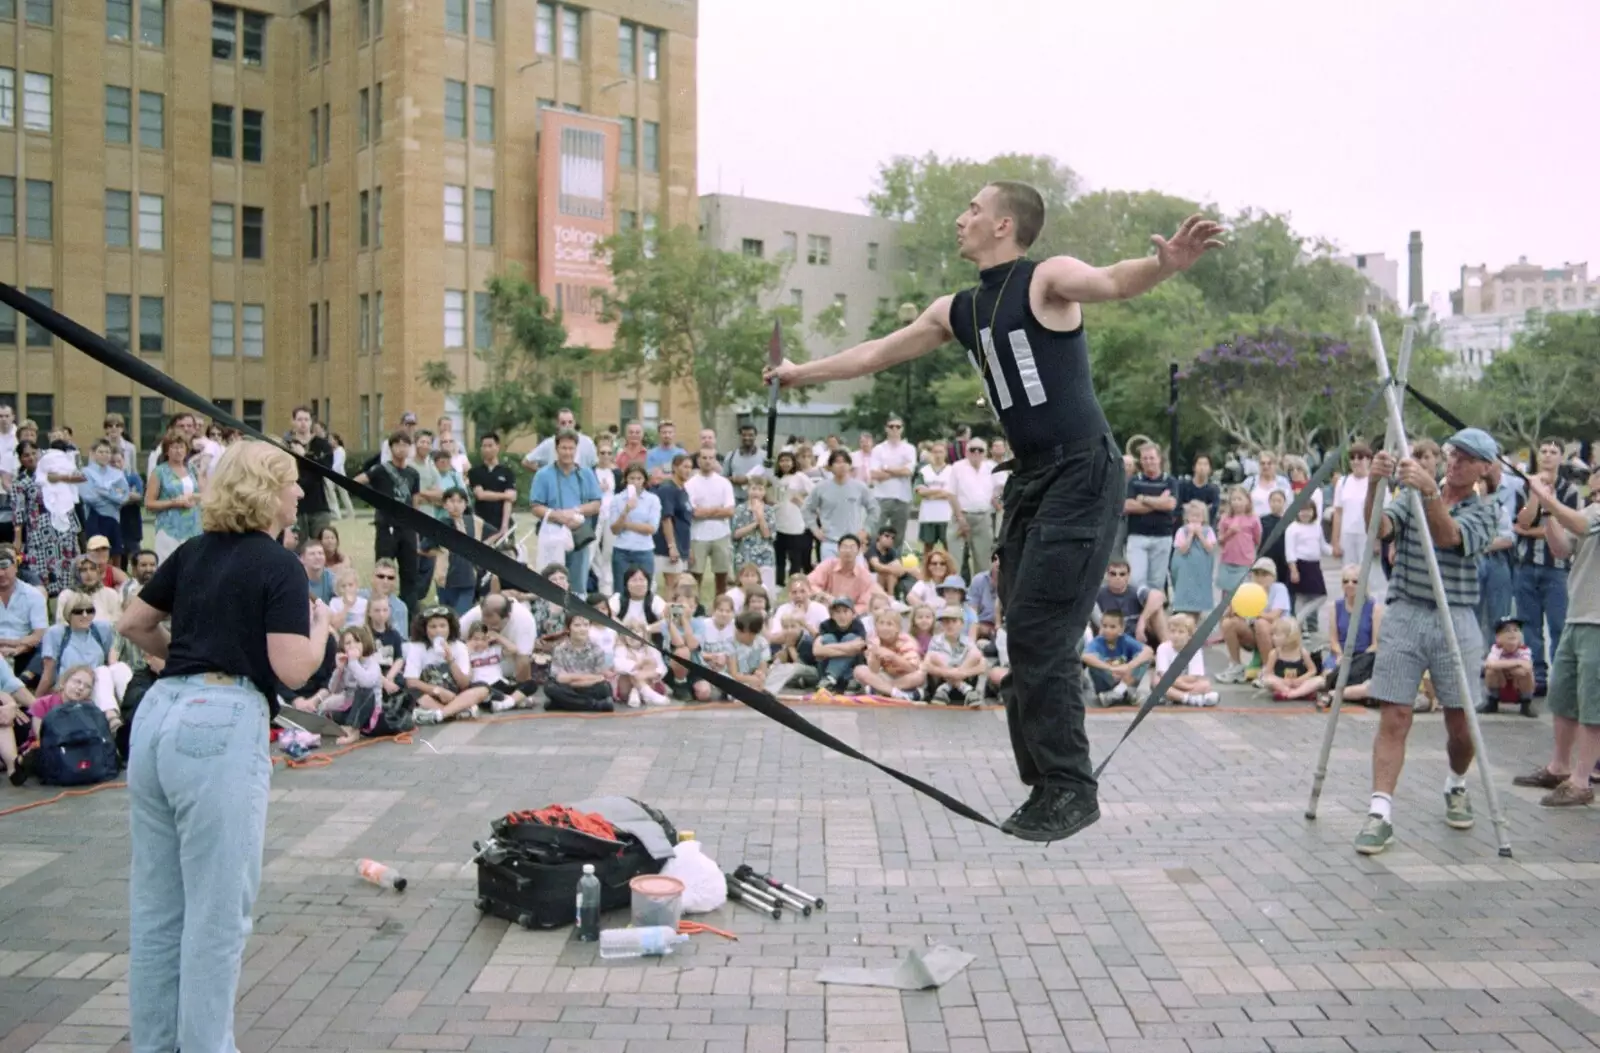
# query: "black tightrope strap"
x,y
504,567
1180,663
1457,423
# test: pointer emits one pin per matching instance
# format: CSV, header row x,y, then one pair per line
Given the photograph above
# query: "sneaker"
x,y
501,703
1376,835
428,716
1033,799
1489,706
653,697
1210,698
1458,810
1526,708
1141,696
941,694
634,701
973,697
902,695
470,713
1105,699
827,683
1232,675
1056,815
1541,778
1568,795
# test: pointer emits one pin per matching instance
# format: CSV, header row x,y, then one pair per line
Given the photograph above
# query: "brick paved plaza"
x,y
1203,913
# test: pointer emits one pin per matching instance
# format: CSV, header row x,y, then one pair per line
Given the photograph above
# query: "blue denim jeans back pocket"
x,y
206,726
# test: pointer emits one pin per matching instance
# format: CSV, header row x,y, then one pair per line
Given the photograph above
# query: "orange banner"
x,y
577,188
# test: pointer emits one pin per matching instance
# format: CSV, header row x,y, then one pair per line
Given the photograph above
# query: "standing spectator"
x,y
1574,697
174,496
314,512
972,490
677,520
132,513
545,452
1240,535
455,579
1277,551
1349,498
933,514
634,519
1299,478
1495,571
339,500
104,492
1304,547
1541,577
956,451
116,434
494,489
633,448
1152,497
397,479
710,538
1459,525
861,459
752,527
8,444
408,428
609,480
792,544
1266,482
565,492
893,462
183,424
1200,486
744,462
839,506
439,479
658,462
1194,561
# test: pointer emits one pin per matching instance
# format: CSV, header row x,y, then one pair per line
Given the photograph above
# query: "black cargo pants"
x,y
1062,508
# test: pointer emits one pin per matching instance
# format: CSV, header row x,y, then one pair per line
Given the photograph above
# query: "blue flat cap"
x,y
1475,442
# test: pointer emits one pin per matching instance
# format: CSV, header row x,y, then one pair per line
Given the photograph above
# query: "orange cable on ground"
x,y
694,928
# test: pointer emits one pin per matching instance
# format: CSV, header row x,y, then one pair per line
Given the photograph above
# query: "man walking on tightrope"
x,y
1461,525
1023,330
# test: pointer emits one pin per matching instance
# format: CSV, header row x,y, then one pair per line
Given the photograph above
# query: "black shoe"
x,y
1527,708
1490,706
1033,799
1058,814
828,683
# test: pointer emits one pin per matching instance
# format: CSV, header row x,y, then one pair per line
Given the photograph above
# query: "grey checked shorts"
x,y
1412,641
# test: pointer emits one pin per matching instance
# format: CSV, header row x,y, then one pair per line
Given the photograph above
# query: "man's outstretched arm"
x,y
1072,279
912,341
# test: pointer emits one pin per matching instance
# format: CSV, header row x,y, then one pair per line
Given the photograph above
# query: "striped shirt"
x,y
1478,521
1532,551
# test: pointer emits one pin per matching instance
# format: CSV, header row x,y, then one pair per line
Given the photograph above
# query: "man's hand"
x,y
1382,465
787,374
1542,491
1411,473
1197,236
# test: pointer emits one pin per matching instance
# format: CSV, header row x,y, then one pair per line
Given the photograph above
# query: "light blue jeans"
x,y
1149,557
578,568
198,777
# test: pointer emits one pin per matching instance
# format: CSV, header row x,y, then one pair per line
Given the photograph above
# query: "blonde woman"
x,y
198,771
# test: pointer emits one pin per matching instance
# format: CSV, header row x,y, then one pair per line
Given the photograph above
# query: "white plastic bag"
x,y
704,887
555,541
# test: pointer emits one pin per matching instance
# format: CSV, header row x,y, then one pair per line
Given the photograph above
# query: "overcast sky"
x,y
1470,120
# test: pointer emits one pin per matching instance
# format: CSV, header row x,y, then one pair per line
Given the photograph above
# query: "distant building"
x,y
829,257
1524,286
1383,279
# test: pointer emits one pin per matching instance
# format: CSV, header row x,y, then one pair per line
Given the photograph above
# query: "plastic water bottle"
x,y
381,875
588,905
652,942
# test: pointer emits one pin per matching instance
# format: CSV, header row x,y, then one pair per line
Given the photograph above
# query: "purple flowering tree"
x,y
1279,389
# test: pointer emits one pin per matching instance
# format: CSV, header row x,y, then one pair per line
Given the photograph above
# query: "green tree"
x,y
687,311
1540,386
527,371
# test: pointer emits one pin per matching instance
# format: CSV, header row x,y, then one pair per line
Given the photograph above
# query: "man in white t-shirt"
x,y
933,515
518,632
893,462
710,535
972,493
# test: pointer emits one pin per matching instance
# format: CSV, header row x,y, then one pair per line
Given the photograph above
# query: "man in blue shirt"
x,y
658,462
23,619
672,539
569,494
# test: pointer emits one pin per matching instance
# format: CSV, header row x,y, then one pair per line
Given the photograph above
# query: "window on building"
x,y
221,131
152,323
253,330
8,97
253,233
1530,296
791,244
377,111
455,318
364,322
483,19
627,49
119,20
651,39
819,249
882,307
377,219
364,415
119,318
254,47
327,132
327,230
221,330
797,299
41,12
313,137
1549,296
483,113
119,219
872,255
363,20
455,109
377,321
224,405
843,304
252,135
1508,296
482,216
753,247
8,206
455,214
41,194
38,335
314,317
482,321
121,405
42,411
152,120
627,220
37,102
221,230
313,20
544,28
571,33
8,333
153,23
119,114
316,231
1569,295
254,414
651,146
455,16
363,217
363,116
152,420
224,31
628,148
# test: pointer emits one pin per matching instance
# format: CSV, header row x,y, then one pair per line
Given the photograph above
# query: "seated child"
x,y
76,685
1116,662
357,679
1508,670
580,673
1289,670
713,645
1002,654
749,585
486,657
924,627
349,607
1191,688
641,673
747,658
894,662
1254,634
840,642
438,671
954,664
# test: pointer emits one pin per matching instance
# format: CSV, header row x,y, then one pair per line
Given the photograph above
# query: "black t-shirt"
x,y
314,499
389,643
833,628
1209,492
225,593
401,484
1130,602
1151,524
499,479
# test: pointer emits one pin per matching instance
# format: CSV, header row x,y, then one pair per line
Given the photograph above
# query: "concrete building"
x,y
281,202
829,258
1524,286
1383,279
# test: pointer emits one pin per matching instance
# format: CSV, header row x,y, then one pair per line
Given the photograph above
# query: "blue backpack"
x,y
75,746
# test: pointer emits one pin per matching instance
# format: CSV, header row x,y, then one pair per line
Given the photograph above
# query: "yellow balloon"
x,y
910,561
1250,600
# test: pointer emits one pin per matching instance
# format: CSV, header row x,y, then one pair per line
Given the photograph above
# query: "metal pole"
x,y
1391,399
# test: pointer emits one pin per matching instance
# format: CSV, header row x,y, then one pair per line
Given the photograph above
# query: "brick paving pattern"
x,y
1203,913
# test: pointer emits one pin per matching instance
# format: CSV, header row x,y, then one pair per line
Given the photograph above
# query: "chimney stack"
x,y
1416,295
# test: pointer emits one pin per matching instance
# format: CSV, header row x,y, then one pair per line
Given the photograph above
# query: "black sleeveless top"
x,y
1036,379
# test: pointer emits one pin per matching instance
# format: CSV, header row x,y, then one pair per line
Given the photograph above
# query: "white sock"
x,y
1382,806
1120,690
1453,782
